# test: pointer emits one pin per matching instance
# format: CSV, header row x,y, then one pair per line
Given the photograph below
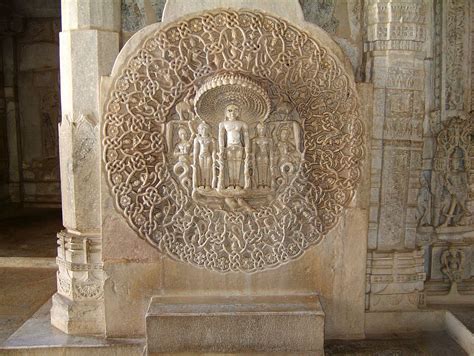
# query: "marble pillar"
x,y
89,44
397,37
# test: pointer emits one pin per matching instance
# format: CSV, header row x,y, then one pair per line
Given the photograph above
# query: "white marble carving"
x,y
452,165
232,141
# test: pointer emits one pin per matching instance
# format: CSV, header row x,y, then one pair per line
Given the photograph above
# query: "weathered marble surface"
x,y
238,324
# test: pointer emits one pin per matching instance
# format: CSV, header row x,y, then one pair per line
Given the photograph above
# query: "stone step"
x,y
293,324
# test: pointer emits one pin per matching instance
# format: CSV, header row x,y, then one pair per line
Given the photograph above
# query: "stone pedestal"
x,y
238,324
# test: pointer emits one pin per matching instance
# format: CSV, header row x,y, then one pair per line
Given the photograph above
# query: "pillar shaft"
x,y
396,47
89,44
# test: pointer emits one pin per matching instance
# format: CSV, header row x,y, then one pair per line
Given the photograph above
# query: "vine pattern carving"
x,y
156,87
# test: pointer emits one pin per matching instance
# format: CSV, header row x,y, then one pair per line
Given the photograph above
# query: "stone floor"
x,y
24,290
40,338
429,344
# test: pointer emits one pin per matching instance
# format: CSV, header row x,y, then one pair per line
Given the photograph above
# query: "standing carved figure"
x,y
262,151
233,145
423,210
203,174
286,151
182,152
456,186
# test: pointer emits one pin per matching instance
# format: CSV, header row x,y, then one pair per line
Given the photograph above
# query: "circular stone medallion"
x,y
232,140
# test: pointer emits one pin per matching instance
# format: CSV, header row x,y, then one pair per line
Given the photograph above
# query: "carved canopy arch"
x,y
194,207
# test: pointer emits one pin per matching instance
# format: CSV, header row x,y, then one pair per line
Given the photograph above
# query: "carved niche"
x,y
232,140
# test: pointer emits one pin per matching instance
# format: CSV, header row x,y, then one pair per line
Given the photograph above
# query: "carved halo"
x,y
222,90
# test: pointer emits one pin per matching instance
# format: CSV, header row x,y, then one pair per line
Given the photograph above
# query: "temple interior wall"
x,y
31,103
404,242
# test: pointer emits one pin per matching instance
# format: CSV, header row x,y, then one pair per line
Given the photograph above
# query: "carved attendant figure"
x,y
451,263
233,143
182,151
202,157
285,151
423,211
262,149
456,185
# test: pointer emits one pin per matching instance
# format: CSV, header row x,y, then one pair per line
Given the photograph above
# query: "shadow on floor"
x,y
29,232
24,290
429,344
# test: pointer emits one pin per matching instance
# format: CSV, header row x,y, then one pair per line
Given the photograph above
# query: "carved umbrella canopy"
x,y
232,140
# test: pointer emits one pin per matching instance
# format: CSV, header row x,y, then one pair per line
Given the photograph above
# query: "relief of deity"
x,y
262,148
235,147
203,158
238,158
455,185
182,152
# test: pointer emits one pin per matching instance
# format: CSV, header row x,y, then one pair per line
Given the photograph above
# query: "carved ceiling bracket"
x,y
232,140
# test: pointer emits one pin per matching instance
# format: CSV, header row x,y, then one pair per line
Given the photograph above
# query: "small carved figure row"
x,y
234,161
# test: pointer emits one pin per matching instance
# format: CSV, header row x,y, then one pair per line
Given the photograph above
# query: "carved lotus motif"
x,y
232,141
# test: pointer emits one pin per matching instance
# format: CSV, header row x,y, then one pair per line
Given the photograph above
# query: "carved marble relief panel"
x,y
232,141
452,203
456,22
394,197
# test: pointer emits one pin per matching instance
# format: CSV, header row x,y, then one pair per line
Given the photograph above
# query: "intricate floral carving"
x,y
89,289
153,98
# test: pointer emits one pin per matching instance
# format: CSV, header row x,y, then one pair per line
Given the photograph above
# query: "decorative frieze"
x,y
405,78
456,48
401,32
396,25
80,274
408,11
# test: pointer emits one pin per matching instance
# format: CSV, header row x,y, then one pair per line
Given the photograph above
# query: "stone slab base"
x,y
403,322
235,324
452,298
77,318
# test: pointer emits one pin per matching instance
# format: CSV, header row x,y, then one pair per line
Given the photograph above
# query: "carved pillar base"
x,y
86,317
395,281
78,306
